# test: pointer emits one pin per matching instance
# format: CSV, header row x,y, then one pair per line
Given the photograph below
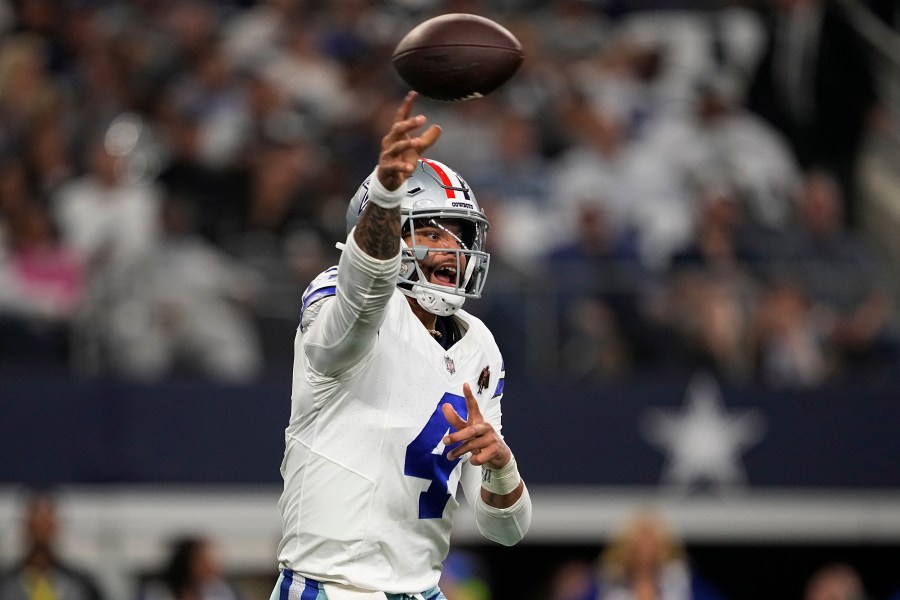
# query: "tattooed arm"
x,y
378,231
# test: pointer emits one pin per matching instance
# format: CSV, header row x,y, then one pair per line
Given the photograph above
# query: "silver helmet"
x,y
437,194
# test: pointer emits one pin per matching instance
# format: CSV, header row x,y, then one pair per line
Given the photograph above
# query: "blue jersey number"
x,y
423,461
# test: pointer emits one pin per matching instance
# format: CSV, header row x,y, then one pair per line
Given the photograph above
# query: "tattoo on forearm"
x,y
378,231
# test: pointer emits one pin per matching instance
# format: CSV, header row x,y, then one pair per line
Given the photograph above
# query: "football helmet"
x,y
436,195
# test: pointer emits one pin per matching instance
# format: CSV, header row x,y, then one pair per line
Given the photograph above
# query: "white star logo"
x,y
702,441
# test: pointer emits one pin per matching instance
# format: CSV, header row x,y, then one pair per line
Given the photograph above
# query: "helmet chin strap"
x,y
436,302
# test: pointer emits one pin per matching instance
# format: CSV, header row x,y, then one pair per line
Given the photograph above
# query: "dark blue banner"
x,y
691,434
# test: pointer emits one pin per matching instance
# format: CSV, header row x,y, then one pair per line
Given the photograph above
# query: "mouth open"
x,y
444,275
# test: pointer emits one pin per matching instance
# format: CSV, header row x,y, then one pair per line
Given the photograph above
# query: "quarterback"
x,y
396,392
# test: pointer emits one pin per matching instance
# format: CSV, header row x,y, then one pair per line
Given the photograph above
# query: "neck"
x,y
40,558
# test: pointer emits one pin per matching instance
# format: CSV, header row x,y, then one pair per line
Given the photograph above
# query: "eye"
x,y
429,234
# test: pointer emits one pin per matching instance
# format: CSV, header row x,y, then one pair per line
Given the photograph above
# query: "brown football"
x,y
457,57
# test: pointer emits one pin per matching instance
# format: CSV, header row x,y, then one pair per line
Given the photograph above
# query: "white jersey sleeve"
x,y
339,333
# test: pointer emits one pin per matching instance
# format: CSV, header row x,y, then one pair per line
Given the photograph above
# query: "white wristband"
x,y
501,481
383,197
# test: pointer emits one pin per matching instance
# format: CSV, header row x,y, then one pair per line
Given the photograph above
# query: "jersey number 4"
x,y
426,457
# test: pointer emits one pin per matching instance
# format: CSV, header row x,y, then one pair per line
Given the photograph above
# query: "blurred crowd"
x,y
647,560
643,559
192,568
668,189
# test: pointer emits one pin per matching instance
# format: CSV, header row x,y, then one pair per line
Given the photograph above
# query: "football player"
x,y
396,391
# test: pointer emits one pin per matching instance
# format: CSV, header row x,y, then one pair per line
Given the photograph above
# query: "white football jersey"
x,y
369,494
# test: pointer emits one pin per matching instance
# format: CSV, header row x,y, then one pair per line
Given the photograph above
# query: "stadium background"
x,y
650,370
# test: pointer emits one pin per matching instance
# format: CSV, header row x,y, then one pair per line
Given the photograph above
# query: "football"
x,y
457,57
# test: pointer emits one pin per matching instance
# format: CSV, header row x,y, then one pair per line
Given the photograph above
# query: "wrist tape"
x,y
383,197
501,481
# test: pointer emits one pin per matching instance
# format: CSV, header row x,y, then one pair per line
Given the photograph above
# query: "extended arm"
x,y
347,324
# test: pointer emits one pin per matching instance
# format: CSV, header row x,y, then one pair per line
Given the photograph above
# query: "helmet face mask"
x,y
437,197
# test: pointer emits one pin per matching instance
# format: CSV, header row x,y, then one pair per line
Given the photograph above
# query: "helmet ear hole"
x,y
407,268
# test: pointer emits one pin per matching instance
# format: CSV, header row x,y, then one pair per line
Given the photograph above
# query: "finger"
x,y
472,405
430,136
398,147
401,129
481,447
456,421
406,106
471,436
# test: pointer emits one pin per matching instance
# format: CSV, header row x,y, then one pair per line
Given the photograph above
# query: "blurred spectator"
x,y
721,243
634,80
597,281
252,37
647,561
209,94
815,83
573,580
835,582
713,288
193,572
465,135
109,220
29,95
15,195
512,186
571,29
593,170
282,199
193,312
41,288
465,577
42,574
112,223
736,147
736,39
708,316
642,183
45,278
790,349
313,80
845,279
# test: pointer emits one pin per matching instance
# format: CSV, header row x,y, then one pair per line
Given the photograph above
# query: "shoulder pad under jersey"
x,y
321,287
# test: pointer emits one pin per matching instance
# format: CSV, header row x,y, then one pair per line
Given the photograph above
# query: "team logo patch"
x,y
484,379
451,368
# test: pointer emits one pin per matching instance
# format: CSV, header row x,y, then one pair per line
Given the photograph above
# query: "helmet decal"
x,y
364,201
449,186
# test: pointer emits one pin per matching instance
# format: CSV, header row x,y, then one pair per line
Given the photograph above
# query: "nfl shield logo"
x,y
451,368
